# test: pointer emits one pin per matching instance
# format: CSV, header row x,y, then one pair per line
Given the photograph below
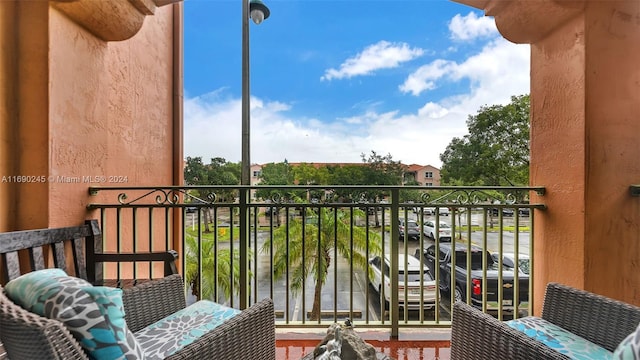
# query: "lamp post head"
x,y
259,11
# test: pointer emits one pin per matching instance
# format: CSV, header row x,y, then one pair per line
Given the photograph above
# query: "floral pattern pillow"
x,y
559,339
629,348
94,316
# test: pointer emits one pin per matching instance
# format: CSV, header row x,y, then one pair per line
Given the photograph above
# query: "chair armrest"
x,y
599,319
479,336
248,335
151,301
168,257
26,335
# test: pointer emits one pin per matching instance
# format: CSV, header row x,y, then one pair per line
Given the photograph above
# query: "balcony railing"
x,y
313,249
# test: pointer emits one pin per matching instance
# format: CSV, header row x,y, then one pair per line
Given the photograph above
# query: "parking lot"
x,y
348,292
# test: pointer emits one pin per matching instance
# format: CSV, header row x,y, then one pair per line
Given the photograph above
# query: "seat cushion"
x,y
559,339
169,335
93,315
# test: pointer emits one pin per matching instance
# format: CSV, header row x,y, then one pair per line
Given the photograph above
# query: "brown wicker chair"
x,y
24,335
603,321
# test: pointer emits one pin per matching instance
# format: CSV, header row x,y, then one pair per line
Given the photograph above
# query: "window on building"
x,y
257,173
428,174
428,184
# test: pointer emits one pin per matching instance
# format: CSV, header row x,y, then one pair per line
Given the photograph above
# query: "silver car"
x,y
413,287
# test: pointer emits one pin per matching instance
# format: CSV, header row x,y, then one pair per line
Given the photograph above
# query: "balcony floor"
x,y
415,345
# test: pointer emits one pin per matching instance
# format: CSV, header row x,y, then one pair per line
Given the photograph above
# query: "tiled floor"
x,y
295,346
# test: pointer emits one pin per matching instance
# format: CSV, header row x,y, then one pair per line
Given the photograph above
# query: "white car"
x,y
413,286
443,231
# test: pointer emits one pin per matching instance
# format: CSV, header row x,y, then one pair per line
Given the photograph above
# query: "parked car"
x,y
524,211
508,260
411,228
424,210
476,285
443,211
506,212
443,231
413,286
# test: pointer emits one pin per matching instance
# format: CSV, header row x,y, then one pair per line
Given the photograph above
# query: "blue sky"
x,y
331,80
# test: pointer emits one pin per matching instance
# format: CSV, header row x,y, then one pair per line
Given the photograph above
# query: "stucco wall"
x,y
111,111
7,110
79,111
585,96
558,155
613,149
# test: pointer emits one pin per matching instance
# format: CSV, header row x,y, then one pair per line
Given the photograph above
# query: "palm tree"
x,y
213,277
321,238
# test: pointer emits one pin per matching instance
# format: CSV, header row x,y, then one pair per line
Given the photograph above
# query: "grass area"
x,y
224,233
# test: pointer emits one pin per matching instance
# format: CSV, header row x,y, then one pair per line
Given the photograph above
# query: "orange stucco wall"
x,y
77,107
585,104
8,111
558,156
111,110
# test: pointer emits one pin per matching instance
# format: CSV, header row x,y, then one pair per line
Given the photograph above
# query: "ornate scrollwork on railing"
x,y
469,197
161,196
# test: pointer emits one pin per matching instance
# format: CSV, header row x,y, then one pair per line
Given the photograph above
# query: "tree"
x,y
320,241
276,174
212,276
381,170
496,150
308,174
218,172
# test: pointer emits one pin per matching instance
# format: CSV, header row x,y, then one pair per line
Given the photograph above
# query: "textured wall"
x,y
79,111
111,110
558,156
585,93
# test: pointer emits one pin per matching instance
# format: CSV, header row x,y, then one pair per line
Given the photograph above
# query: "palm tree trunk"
x,y
206,217
317,293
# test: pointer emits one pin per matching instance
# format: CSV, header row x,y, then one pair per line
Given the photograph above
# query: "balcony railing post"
x,y
244,243
394,309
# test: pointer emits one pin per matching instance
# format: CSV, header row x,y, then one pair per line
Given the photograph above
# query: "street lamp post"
x,y
258,12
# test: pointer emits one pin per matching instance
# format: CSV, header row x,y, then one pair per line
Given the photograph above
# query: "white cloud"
x,y
495,73
382,55
424,78
471,27
495,63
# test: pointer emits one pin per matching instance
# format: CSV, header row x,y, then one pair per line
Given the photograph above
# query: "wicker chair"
x,y
24,335
603,321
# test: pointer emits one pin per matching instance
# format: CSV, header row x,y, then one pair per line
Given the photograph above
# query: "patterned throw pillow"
x,y
94,316
629,348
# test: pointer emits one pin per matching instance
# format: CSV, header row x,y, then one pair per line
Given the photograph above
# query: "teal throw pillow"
x,y
86,311
629,348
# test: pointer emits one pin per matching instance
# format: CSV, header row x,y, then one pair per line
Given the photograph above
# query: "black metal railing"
x,y
326,253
